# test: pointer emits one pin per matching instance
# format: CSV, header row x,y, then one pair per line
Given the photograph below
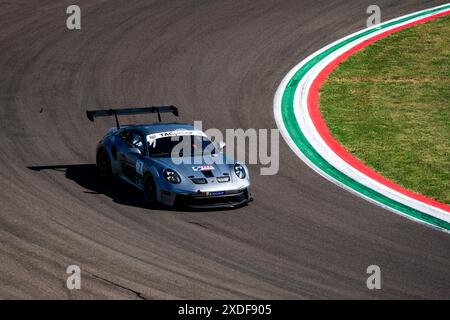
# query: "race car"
x,y
171,163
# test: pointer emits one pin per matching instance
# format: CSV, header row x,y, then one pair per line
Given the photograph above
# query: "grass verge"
x,y
389,105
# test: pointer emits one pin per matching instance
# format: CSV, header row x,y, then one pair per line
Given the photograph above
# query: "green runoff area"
x,y
389,105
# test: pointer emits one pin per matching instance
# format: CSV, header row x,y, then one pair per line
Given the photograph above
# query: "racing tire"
x,y
149,189
103,165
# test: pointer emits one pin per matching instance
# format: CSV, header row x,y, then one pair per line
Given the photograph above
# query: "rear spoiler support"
x,y
91,114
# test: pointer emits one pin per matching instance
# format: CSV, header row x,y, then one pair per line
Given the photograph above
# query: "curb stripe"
x,y
285,116
319,122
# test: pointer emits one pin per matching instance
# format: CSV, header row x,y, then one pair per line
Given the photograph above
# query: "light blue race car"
x,y
172,163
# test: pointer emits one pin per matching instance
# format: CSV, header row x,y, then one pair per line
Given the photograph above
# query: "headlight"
x,y
240,171
172,176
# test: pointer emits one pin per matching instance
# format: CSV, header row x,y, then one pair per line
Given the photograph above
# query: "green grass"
x,y
389,105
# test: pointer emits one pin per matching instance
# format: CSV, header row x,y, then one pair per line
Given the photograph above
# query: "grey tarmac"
x,y
219,62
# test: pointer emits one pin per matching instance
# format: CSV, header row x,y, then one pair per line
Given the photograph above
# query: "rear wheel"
x,y
149,189
104,170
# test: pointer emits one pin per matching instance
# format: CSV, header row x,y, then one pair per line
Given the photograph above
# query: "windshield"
x,y
189,145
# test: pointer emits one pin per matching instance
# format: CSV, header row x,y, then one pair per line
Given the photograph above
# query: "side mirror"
x,y
135,151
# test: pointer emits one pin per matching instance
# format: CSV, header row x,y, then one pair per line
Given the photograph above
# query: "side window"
x,y
133,139
136,141
124,135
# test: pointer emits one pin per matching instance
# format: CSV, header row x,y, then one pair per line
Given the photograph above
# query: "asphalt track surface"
x,y
220,62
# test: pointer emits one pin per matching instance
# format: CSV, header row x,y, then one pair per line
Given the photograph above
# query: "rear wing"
x,y
91,114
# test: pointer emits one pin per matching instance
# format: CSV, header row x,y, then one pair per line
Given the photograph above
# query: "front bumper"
x,y
211,200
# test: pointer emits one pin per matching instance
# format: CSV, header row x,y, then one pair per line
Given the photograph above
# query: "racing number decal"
x,y
139,167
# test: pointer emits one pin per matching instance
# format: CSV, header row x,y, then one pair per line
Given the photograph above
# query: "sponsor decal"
x,y
202,168
223,179
176,133
214,193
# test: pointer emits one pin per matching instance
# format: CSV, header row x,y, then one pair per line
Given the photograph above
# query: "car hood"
x,y
196,167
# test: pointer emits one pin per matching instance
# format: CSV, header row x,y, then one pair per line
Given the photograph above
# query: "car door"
x,y
131,163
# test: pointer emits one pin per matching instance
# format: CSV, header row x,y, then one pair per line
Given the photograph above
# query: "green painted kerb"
x,y
292,127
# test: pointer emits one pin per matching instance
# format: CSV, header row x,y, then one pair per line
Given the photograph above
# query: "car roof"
x,y
161,127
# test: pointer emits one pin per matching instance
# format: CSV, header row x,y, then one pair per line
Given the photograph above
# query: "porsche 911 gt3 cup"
x,y
146,156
